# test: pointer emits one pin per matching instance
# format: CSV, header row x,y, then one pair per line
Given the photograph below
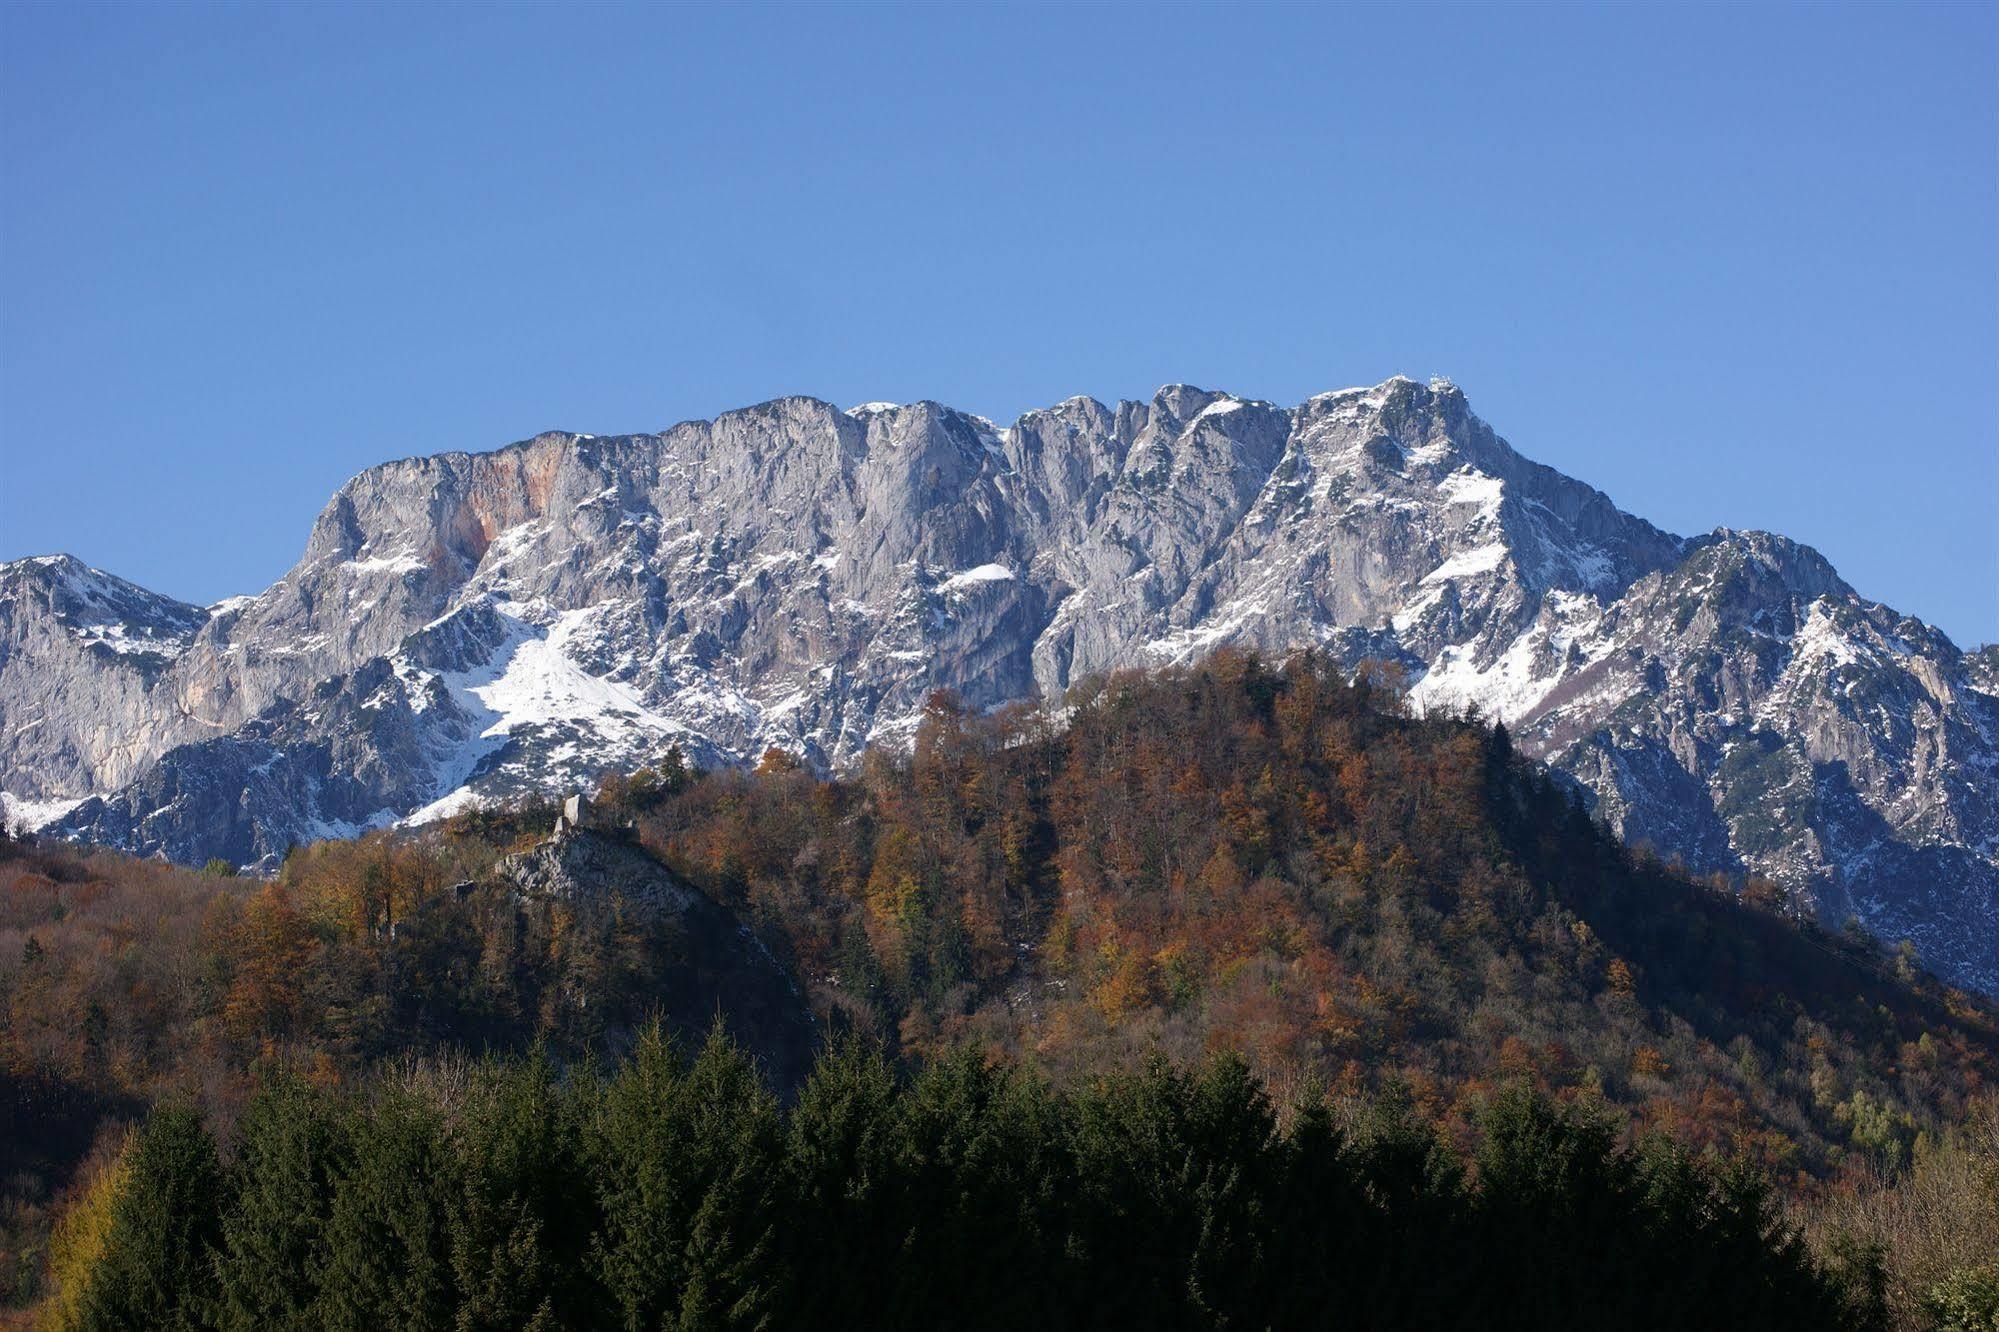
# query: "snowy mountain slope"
x,y
84,661
470,626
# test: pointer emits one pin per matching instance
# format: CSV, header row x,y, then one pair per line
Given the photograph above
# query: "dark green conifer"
x,y
272,1251
845,1205
388,1253
157,1269
984,1156
520,1229
687,1170
1176,1172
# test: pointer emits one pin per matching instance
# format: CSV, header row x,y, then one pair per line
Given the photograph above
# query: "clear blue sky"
x,y
1732,265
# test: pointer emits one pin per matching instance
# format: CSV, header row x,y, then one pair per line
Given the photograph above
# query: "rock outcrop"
x,y
712,966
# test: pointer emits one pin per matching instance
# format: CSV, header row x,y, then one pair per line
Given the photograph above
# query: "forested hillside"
x,y
1278,862
1368,910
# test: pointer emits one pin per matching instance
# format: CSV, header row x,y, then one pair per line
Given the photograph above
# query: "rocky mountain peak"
x,y
792,574
86,599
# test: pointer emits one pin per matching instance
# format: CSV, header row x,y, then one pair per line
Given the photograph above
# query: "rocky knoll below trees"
x,y
703,966
472,626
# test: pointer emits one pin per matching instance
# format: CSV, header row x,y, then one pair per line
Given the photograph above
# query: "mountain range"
x,y
470,627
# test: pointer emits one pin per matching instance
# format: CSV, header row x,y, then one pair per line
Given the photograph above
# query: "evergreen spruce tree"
x,y
845,1209
521,1225
1641,1238
388,1253
288,1145
1176,1173
687,1169
1415,1257
1728,1247
1320,1222
156,1269
983,1154
1555,1194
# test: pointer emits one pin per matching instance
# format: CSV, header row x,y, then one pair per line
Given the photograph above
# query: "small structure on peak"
x,y
575,810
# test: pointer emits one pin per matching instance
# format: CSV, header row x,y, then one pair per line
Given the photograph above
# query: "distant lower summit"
x,y
469,627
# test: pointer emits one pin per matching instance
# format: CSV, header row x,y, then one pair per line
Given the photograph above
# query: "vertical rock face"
x,y
471,626
85,665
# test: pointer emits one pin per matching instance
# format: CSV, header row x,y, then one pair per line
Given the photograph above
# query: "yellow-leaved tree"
x,y
78,1245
